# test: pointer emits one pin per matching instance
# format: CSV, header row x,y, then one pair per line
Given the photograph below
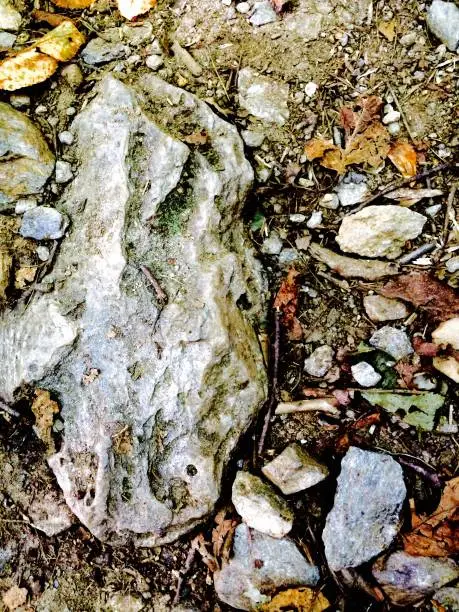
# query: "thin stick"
x,y
8,410
422,250
182,575
323,404
401,183
449,207
432,477
162,297
401,111
274,383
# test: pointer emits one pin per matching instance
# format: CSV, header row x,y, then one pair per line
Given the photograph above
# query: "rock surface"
x,y
260,507
153,395
406,579
380,308
448,597
261,564
263,97
443,20
379,231
294,470
393,341
319,362
30,162
365,517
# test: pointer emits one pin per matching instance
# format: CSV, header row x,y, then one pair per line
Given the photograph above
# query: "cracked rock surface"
x,y
154,393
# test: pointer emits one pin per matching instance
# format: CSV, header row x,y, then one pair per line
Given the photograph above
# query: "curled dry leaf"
x,y
286,302
222,535
302,599
53,19
403,156
387,29
408,197
44,409
438,534
39,61
367,141
132,8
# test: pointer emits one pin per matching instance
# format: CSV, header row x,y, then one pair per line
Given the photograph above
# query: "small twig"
x,y
161,296
422,250
274,383
220,80
323,404
402,113
401,183
432,477
449,208
9,410
182,575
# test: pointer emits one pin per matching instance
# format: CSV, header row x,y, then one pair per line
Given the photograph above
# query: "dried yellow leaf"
x,y
403,156
299,600
131,8
44,409
73,4
25,69
62,42
387,29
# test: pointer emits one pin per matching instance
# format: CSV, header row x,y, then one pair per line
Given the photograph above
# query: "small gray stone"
x,y
7,40
154,62
260,507
409,39
29,163
315,219
319,362
423,382
138,34
43,223
329,200
263,13
263,97
43,254
66,137
443,20
305,25
288,257
380,308
272,245
365,517
64,172
19,101
394,129
433,210
259,565
379,231
73,75
452,265
448,597
297,218
243,8
10,18
351,193
252,138
391,117
99,51
24,204
407,579
294,470
392,341
365,374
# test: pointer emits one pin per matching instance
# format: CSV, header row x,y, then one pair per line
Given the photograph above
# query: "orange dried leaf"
x,y
53,19
316,148
302,599
73,4
62,43
403,156
26,69
387,29
286,301
223,530
132,8
44,409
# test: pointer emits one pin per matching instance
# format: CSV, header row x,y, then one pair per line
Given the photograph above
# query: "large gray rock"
x,y
365,517
406,579
154,395
26,162
443,20
261,564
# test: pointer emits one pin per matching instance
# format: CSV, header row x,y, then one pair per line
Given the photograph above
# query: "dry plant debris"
x,y
404,158
297,600
286,302
14,597
438,534
44,409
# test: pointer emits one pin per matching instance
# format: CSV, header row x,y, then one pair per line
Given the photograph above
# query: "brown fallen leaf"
x,y
53,19
424,291
409,197
367,141
44,409
302,599
387,29
438,534
39,61
200,545
403,156
222,535
286,302
132,8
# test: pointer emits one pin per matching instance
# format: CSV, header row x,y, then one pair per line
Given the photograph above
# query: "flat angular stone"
x,y
43,223
406,579
263,97
294,470
260,506
261,564
365,517
379,231
380,308
100,51
154,392
393,341
30,162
